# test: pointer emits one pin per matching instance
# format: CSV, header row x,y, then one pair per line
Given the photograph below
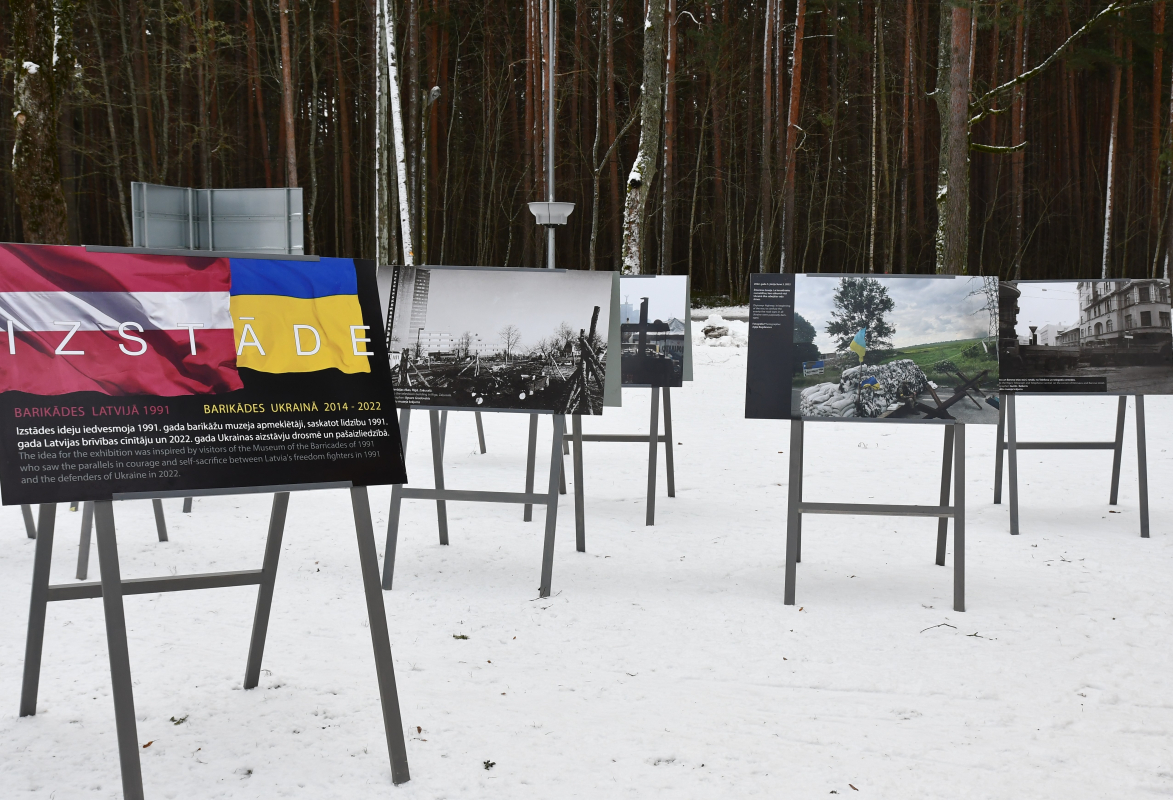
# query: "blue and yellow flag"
x,y
859,344
298,316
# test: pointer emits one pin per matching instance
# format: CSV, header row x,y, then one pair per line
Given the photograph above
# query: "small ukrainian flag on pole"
x,y
859,344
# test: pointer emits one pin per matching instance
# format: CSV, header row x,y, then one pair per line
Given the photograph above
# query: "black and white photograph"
x,y
497,338
1086,337
915,347
653,316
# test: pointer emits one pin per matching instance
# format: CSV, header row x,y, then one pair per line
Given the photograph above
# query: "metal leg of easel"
x,y
579,498
552,506
801,475
946,473
1142,467
30,527
187,505
959,518
653,447
122,689
527,513
565,451
38,602
396,506
793,516
1012,461
380,639
256,647
160,520
480,432
1118,449
438,471
443,430
668,460
999,449
83,547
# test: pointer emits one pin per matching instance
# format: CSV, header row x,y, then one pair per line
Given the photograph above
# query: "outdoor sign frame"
x,y
1008,443
441,494
796,507
111,588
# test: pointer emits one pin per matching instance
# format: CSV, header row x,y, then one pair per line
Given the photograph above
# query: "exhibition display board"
x,y
1091,337
159,375
143,376
891,347
502,339
918,330
498,339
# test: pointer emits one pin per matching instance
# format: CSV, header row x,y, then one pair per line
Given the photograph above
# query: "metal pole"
x,y
120,680
579,497
668,460
793,515
531,455
396,505
552,506
368,561
256,647
480,432
946,469
550,129
1012,461
1000,448
38,600
653,446
160,520
438,471
1118,450
83,546
959,519
30,527
1142,465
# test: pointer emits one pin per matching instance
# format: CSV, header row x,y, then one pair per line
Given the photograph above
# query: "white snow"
x,y
31,67
665,664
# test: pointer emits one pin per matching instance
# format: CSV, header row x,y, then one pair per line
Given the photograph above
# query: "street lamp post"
x,y
550,214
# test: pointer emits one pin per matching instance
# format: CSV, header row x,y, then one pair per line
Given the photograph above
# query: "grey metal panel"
x,y
166,583
245,220
161,251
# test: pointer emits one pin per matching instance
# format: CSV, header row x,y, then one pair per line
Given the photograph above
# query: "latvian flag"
x,y
74,321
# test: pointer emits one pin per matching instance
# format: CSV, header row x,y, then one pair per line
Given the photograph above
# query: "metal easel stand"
x,y
652,438
441,495
796,507
480,430
1008,441
30,526
87,519
111,588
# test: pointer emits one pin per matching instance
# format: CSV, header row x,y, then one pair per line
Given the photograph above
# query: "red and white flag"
x,y
119,324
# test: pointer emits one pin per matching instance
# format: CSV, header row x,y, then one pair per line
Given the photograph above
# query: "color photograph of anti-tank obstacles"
x,y
916,348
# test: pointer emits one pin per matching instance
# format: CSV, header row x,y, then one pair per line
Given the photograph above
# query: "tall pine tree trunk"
x,y
41,65
639,180
1110,181
793,117
952,96
287,97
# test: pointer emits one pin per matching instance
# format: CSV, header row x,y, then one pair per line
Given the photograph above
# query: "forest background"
x,y
1018,138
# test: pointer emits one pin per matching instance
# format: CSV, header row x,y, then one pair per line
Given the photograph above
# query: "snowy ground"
x,y
665,664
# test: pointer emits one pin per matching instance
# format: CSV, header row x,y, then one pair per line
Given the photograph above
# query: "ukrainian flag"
x,y
859,344
297,316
